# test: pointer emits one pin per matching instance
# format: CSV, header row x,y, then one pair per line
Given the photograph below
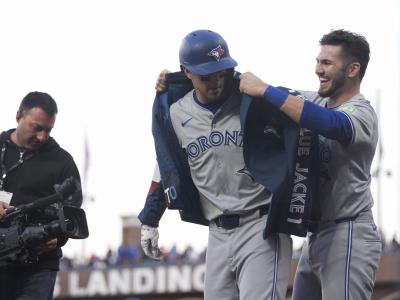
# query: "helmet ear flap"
x,y
203,52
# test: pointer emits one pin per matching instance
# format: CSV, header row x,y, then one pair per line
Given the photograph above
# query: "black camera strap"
x,y
4,171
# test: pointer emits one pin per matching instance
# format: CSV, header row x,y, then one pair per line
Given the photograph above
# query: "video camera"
x,y
21,231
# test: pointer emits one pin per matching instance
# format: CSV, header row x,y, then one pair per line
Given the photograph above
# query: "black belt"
x,y
314,226
233,221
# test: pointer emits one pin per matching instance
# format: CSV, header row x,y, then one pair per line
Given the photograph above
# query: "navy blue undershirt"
x,y
327,122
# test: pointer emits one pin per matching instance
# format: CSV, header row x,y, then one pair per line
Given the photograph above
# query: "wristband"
x,y
275,96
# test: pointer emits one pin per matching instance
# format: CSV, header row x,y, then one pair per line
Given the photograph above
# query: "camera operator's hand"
x,y
3,207
46,247
149,241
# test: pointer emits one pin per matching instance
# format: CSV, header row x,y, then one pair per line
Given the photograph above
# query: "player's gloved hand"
x,y
149,241
161,84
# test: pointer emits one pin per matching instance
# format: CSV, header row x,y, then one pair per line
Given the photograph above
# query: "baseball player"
x,y
341,254
240,263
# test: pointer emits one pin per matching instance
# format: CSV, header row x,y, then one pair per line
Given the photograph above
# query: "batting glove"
x,y
149,241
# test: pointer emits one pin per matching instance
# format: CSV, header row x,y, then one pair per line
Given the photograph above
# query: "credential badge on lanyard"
x,y
3,170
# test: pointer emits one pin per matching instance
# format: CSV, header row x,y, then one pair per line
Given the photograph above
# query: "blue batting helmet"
x,y
204,52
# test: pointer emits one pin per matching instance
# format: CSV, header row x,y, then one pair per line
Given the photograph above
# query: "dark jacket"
x,y
35,178
271,143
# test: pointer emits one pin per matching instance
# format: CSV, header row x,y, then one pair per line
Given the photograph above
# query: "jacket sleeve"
x,y
155,204
70,169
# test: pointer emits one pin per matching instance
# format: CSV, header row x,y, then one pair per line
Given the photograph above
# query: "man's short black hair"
x,y
41,100
354,46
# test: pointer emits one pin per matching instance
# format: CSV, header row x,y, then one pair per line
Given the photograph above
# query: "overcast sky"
x,y
100,59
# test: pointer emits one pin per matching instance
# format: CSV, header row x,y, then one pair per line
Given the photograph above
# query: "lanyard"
x,y
3,170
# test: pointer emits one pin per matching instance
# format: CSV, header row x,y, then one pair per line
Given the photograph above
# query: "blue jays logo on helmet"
x,y
204,52
217,53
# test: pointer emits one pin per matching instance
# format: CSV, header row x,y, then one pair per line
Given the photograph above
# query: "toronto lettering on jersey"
x,y
300,178
164,279
214,139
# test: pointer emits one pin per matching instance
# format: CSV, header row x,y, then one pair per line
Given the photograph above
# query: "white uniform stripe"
x,y
348,259
275,267
156,174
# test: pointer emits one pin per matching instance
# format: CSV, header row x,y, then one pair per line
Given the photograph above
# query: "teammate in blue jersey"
x,y
240,263
342,251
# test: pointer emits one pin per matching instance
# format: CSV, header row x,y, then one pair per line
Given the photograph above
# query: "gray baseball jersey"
x,y
213,143
240,264
339,260
344,189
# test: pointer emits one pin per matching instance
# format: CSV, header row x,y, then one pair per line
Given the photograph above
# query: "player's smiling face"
x,y
331,71
209,88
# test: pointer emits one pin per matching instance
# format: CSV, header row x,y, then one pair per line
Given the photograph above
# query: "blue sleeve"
x,y
329,123
154,207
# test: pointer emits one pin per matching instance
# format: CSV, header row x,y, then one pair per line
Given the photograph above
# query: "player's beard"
x,y
336,83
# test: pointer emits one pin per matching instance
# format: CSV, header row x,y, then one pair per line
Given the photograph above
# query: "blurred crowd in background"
x,y
131,255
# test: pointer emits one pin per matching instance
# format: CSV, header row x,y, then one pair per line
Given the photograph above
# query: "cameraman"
x,y
31,164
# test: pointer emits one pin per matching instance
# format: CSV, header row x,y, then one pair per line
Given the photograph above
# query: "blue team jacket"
x,y
279,155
